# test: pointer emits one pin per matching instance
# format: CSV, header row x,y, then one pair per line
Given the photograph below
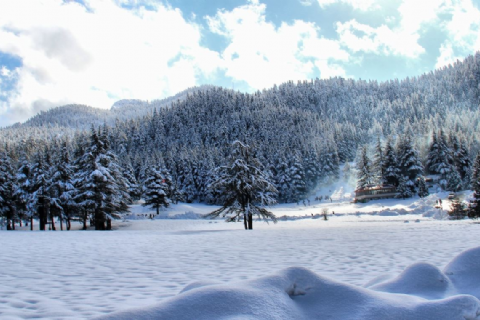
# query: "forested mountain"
x,y
300,131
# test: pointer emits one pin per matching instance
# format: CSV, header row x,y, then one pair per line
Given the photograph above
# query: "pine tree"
x,y
155,190
378,165
245,188
62,188
7,191
102,188
24,190
457,210
433,155
409,163
40,199
390,165
474,208
454,181
405,188
422,187
440,160
297,180
364,173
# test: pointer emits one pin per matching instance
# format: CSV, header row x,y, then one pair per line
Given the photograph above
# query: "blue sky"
x,y
95,52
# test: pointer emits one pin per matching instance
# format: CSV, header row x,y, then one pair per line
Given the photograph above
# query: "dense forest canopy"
x,y
301,132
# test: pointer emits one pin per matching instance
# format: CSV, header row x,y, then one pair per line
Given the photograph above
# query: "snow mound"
x,y
464,272
420,279
297,293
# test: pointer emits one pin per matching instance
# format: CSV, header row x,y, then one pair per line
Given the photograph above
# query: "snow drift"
x,y
422,291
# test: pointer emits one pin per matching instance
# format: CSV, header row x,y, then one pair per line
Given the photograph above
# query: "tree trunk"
x,y
52,218
69,225
85,218
158,210
31,223
61,223
13,224
109,224
41,216
20,222
245,221
250,221
9,224
99,220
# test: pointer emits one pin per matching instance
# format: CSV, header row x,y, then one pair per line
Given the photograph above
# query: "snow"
x,y
364,262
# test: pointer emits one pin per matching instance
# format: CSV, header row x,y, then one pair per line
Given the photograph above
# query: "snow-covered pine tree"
x,y
422,187
454,181
102,189
391,169
440,159
433,155
461,159
297,180
457,210
40,200
8,185
155,190
245,188
405,188
474,208
61,187
24,190
364,171
283,180
409,162
378,164
133,188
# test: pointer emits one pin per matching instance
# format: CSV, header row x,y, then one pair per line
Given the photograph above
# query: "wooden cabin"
x,y
373,192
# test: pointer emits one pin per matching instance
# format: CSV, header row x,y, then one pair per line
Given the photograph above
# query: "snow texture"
x,y
364,262
297,293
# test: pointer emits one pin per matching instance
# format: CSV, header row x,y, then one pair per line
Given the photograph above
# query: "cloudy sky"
x,y
95,52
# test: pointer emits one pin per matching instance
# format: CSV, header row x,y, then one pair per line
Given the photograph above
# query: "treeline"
x,y
301,132
399,164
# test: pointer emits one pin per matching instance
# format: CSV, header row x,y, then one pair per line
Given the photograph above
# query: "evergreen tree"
x,y
156,189
457,210
40,199
440,160
62,188
409,163
24,190
297,180
102,188
378,165
405,188
364,173
461,160
7,191
422,187
474,208
245,188
454,181
390,165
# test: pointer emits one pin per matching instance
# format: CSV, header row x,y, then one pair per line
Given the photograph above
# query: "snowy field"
x,y
146,263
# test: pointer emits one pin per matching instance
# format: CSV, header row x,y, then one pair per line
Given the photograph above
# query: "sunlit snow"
x,y
385,259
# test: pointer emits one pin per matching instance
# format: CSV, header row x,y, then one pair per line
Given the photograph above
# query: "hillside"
x,y
301,132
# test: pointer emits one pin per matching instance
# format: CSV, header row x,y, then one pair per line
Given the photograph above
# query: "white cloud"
x,y
4,71
463,32
381,40
459,20
98,55
362,5
261,54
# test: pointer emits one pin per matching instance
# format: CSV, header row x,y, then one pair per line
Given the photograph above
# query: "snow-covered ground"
x,y
303,267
